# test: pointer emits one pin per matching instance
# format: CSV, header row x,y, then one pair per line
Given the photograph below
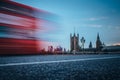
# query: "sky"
x,y
85,17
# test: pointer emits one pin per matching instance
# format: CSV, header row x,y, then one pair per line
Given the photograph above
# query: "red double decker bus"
x,y
18,25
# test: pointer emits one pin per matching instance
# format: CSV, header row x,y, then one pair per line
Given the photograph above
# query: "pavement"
x,y
60,67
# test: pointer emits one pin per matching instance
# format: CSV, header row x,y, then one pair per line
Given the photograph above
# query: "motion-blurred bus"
x,y
18,26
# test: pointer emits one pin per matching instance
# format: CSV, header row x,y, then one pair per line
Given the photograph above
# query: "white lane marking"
x,y
45,62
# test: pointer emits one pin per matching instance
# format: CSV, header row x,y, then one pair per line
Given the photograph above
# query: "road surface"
x,y
60,67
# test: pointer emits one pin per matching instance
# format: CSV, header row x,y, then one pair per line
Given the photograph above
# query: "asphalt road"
x,y
60,67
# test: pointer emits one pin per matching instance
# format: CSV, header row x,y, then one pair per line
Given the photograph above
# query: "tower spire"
x,y
74,31
98,38
98,43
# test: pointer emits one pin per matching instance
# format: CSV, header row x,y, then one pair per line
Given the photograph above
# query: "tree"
x,y
90,45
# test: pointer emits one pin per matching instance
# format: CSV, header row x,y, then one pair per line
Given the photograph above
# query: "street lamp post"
x,y
83,41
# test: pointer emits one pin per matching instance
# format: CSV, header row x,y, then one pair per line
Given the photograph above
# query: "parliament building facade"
x,y
75,45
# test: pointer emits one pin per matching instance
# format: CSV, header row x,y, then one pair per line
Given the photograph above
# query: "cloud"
x,y
116,44
113,27
96,18
117,27
93,25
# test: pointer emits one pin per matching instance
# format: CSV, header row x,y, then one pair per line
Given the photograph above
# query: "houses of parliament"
x,y
75,46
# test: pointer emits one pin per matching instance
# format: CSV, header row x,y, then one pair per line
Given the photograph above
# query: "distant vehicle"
x,y
18,24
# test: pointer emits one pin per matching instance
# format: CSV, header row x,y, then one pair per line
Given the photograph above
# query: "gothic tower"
x,y
74,42
98,43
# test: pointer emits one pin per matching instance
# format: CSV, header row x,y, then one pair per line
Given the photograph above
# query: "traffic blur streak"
x,y
18,27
